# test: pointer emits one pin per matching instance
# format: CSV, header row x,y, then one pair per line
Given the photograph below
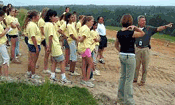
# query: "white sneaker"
x,y
90,84
54,79
34,76
58,70
74,74
65,81
83,82
102,61
46,71
97,73
28,74
92,79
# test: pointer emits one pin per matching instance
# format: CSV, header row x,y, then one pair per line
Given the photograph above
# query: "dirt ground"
x,y
158,90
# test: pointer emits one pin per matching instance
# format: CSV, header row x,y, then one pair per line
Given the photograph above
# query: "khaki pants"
x,y
142,57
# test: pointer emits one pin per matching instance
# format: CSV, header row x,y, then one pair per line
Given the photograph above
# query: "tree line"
x,y
155,15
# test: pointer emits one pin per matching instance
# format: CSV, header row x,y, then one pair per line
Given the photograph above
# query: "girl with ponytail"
x,y
84,49
34,41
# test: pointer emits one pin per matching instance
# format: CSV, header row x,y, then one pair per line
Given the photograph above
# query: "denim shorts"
x,y
73,51
66,44
58,58
32,48
4,56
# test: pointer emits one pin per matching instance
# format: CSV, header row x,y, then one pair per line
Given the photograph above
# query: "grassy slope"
x,y
47,94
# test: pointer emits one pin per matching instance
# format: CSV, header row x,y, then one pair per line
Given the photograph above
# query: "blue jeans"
x,y
125,89
17,46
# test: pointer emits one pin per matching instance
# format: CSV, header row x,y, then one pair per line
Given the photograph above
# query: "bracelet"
x,y
165,26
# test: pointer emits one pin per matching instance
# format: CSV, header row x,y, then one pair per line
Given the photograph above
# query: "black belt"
x,y
142,46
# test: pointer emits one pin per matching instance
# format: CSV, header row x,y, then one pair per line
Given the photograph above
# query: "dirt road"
x,y
159,88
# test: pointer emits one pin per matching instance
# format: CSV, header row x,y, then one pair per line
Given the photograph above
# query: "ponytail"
x,y
29,17
87,19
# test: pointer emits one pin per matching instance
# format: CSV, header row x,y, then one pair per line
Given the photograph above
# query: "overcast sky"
x,y
96,2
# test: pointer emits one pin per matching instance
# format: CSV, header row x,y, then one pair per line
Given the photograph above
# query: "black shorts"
x,y
103,42
32,48
26,40
43,43
13,36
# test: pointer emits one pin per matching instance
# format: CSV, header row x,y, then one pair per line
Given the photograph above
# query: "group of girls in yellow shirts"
x,y
47,30
9,26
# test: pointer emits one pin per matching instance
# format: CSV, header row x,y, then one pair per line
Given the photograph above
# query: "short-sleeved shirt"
x,y
64,28
4,26
94,35
33,30
101,29
61,22
9,20
145,40
49,30
78,26
41,24
126,41
71,30
82,46
56,29
4,38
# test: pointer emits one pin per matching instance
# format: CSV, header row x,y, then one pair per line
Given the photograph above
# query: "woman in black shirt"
x,y
126,39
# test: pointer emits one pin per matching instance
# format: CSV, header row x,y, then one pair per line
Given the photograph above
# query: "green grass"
x,y
113,28
156,36
164,37
46,94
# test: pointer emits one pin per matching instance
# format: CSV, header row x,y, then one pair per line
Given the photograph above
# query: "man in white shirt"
x,y
103,43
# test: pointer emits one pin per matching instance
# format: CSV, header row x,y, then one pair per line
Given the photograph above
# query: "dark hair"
x,y
74,12
4,8
29,16
93,25
67,17
62,16
49,14
9,5
86,19
2,13
9,10
99,18
66,8
126,20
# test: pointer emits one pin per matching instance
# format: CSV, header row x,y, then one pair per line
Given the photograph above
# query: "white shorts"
x,y
73,51
4,56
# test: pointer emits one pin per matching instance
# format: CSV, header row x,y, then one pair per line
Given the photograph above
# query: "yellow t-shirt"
x,y
17,22
49,30
82,46
94,34
4,38
61,22
71,30
56,29
58,23
33,30
41,23
64,28
78,26
4,26
10,20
